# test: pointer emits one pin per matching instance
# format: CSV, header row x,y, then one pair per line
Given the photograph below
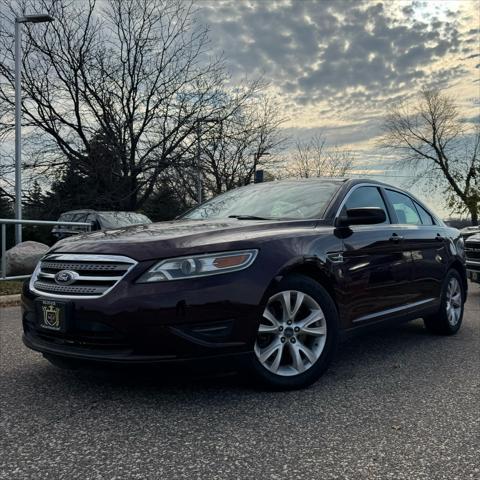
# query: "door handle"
x,y
395,238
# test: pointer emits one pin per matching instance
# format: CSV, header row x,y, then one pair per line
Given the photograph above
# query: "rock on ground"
x,y
22,258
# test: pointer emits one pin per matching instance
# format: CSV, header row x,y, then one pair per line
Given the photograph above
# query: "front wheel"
x,y
297,334
448,319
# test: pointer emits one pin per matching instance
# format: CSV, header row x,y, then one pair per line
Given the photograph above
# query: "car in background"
x,y
97,220
267,276
469,231
472,252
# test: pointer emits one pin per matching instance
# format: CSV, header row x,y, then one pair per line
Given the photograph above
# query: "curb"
x,y
9,300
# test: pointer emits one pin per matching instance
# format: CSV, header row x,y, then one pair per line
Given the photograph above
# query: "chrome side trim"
x,y
473,262
80,258
388,311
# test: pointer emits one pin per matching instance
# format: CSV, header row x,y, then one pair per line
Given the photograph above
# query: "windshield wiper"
x,y
247,217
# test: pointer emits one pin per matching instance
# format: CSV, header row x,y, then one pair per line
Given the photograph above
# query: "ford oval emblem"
x,y
66,277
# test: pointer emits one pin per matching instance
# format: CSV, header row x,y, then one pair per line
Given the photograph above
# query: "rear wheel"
x,y
297,334
448,319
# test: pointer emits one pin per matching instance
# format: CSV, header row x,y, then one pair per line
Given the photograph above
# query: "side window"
x,y
425,217
92,218
404,208
365,197
78,217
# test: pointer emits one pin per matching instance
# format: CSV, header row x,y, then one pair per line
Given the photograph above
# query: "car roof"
x,y
69,212
339,180
78,211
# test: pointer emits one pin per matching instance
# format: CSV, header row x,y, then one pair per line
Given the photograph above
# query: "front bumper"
x,y
473,270
215,317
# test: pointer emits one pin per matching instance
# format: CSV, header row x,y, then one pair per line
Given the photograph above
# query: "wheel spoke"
x,y
450,313
314,331
315,316
278,358
298,304
286,302
271,317
267,328
268,351
296,358
457,300
307,352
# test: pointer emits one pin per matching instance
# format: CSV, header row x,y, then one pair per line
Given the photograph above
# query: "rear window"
x,y
425,217
404,208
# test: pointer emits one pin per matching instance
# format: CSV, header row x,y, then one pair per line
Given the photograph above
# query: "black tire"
x,y
439,323
312,288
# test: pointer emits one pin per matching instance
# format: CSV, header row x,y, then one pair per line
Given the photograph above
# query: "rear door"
x,y
377,269
425,239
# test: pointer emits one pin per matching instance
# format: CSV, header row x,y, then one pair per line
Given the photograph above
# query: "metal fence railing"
x,y
3,240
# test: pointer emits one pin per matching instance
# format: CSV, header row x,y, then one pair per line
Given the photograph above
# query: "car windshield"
x,y
122,219
272,200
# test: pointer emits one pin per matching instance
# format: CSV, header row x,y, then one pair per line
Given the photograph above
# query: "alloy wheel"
x,y
453,301
292,333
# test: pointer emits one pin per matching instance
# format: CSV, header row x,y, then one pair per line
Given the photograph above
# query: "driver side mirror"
x,y
361,216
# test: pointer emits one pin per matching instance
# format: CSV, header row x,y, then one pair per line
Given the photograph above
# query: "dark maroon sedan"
x,y
267,275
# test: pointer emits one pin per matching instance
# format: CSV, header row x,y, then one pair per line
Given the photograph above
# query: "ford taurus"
x,y
267,276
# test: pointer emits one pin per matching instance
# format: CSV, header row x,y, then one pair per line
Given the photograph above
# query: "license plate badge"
x,y
51,315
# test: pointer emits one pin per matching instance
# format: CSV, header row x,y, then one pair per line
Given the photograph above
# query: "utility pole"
x,y
199,164
256,158
198,155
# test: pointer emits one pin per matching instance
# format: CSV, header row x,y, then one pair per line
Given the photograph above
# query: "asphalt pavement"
x,y
396,404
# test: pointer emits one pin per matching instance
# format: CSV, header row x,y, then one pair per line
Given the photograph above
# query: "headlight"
x,y
199,266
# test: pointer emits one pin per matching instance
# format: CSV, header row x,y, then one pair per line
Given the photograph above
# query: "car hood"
x,y
160,240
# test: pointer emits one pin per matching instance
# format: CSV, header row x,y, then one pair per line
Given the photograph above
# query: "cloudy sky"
x,y
337,65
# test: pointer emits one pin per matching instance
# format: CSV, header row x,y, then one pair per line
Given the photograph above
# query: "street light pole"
x,y
18,131
18,114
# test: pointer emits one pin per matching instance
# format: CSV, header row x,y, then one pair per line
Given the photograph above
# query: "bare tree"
x,y
231,148
315,159
431,140
238,146
137,72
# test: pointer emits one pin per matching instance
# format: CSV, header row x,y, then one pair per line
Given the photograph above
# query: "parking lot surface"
x,y
396,404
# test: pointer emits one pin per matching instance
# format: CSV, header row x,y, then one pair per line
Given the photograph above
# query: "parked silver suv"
x,y
472,252
98,221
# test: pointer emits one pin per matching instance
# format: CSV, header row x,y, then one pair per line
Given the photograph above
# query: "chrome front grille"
x,y
88,276
472,251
